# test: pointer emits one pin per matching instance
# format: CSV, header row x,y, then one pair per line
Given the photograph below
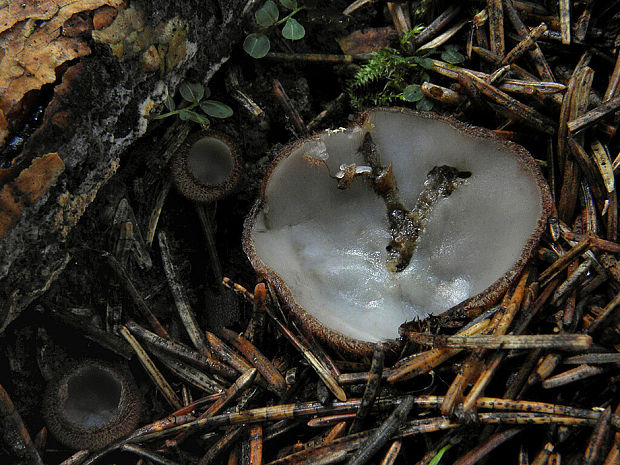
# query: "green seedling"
x,y
267,17
194,95
435,460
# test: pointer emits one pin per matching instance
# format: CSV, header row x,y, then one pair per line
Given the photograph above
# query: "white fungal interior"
x,y
329,245
209,159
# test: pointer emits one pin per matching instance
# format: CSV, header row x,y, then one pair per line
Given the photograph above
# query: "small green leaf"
x,y
290,4
452,56
435,460
268,14
413,93
293,30
191,92
189,115
425,63
424,104
216,109
256,45
169,101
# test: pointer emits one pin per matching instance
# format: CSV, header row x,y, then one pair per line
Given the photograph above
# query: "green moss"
x,y
381,81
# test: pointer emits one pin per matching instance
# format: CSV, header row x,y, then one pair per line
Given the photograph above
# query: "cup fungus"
x,y
206,167
91,405
425,216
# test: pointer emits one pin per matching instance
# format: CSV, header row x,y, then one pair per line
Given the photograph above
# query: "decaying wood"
x,y
180,299
15,433
371,389
426,361
496,27
527,43
572,375
181,351
444,37
515,108
369,447
565,24
188,373
543,68
591,117
32,54
437,24
563,342
42,46
155,375
481,451
324,374
262,363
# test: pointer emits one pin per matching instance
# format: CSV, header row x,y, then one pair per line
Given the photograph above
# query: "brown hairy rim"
x,y
485,299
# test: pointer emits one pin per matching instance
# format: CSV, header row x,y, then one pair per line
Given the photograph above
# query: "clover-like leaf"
x,y
268,14
424,104
424,62
413,93
290,4
256,45
452,56
169,102
216,109
293,30
189,115
192,92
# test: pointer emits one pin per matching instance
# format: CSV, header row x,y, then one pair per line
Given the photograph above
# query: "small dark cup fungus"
x,y
206,167
415,215
92,405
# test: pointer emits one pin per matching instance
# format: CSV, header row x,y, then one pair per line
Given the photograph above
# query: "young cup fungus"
x,y
401,216
206,167
91,405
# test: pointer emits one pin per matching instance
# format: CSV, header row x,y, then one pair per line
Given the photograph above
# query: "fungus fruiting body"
x,y
206,167
91,405
460,219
